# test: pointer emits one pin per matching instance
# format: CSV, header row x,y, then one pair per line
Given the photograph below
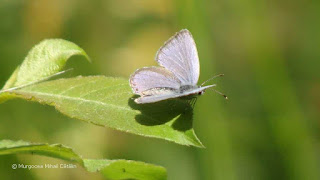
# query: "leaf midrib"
x,y
33,93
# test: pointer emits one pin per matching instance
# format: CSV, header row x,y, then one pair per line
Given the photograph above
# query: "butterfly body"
x,y
177,76
185,88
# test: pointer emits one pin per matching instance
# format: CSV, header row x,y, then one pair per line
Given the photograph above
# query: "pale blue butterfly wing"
x,y
152,77
180,56
169,95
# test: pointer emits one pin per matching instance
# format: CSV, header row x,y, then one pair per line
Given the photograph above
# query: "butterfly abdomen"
x,y
157,91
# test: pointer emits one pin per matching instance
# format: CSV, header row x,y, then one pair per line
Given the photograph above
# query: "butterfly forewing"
x,y
179,55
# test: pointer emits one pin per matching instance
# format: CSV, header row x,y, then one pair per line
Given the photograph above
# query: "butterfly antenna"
x,y
220,93
32,83
219,75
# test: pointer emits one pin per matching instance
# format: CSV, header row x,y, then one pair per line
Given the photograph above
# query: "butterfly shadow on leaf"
x,y
175,112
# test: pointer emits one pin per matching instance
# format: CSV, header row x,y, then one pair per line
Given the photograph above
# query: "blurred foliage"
x,y
111,169
268,50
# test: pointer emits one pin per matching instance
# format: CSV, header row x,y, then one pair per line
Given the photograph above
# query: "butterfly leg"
x,y
189,104
193,101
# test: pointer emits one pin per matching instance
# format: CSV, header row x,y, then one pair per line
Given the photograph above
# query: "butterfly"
x,y
177,75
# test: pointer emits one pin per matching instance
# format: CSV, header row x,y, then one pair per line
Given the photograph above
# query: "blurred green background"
x,y
268,50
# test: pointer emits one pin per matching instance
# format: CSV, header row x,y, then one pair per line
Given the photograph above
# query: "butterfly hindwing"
x,y
152,77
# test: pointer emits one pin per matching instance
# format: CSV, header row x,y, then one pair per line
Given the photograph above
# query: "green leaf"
x,y
125,169
109,102
111,169
4,96
46,59
54,150
12,80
